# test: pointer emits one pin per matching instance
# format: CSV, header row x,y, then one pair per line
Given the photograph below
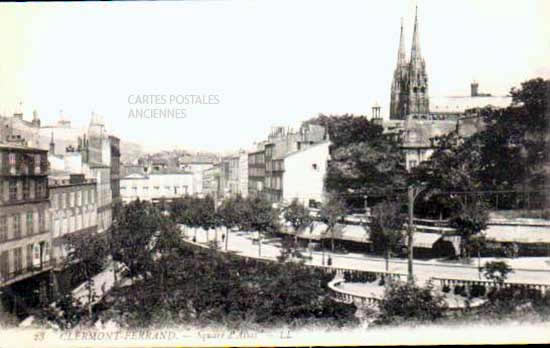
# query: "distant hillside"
x,y
130,152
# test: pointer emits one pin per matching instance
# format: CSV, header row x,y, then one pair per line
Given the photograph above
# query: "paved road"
x,y
527,270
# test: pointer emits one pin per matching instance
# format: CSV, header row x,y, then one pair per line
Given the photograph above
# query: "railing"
x,y
449,282
348,297
26,272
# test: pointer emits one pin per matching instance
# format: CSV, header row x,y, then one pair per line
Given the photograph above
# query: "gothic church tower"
x,y
409,92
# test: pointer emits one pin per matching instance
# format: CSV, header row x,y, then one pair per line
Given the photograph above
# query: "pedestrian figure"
x,y
329,261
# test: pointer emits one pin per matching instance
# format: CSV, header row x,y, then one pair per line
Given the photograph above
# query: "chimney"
x,y
474,89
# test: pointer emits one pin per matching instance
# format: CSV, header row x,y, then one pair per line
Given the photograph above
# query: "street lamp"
x,y
412,193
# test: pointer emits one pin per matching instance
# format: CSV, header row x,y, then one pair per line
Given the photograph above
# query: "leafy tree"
x,y
298,215
514,138
232,214
497,271
199,288
331,212
65,313
262,218
363,159
408,302
132,234
386,228
469,222
206,214
89,256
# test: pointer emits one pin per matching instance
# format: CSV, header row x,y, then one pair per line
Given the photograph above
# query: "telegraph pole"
x,y
410,193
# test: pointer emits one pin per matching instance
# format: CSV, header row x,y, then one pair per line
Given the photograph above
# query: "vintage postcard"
x,y
274,173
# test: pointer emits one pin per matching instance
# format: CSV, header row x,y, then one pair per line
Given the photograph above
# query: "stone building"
x,y
73,209
162,184
266,164
25,240
18,126
115,172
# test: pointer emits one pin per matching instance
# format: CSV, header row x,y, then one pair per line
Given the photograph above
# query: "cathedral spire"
x,y
415,50
401,58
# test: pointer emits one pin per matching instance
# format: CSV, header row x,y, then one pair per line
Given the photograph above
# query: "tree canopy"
x,y
363,159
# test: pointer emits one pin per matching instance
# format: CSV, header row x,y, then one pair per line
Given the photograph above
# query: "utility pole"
x,y
410,193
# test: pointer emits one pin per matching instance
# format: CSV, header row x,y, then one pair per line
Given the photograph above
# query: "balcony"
x,y
27,272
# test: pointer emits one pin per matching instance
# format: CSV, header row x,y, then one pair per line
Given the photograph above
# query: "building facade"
x,y
303,173
211,181
266,164
256,172
73,210
25,240
115,172
156,186
243,173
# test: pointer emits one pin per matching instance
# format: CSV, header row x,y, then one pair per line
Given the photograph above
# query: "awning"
x,y
425,240
353,233
314,231
518,234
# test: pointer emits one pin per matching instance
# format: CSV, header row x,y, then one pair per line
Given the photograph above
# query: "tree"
x,y
514,138
386,228
132,234
192,286
497,271
263,218
517,137
469,222
206,214
332,211
298,216
364,160
406,302
232,212
88,254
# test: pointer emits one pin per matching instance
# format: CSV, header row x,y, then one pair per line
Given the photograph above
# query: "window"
x,y
60,201
17,260
26,189
13,190
412,164
36,252
46,251
67,199
40,190
78,199
4,265
30,225
41,222
29,256
16,226
3,228
37,164
11,159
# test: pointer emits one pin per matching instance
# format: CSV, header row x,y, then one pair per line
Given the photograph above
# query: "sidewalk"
x,y
526,270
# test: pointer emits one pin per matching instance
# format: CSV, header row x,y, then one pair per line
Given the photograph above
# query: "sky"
x,y
262,63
